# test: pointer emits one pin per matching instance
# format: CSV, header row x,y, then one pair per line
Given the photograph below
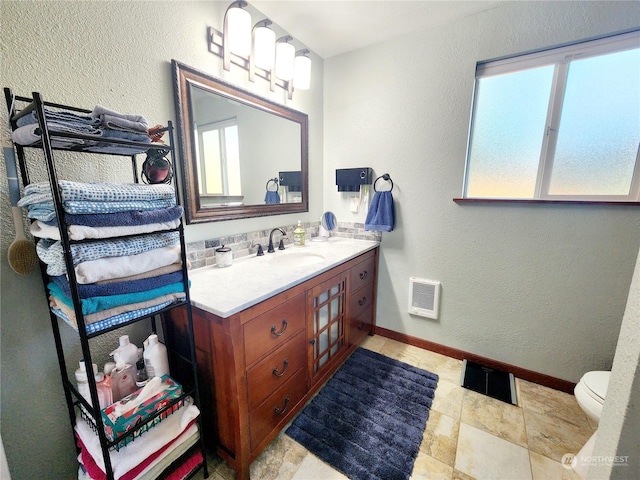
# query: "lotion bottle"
x,y
128,351
156,362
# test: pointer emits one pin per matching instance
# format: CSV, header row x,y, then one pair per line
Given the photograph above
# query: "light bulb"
x,y
239,31
264,47
284,60
302,72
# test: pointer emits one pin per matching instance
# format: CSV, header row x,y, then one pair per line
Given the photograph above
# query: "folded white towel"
x,y
117,267
148,443
81,232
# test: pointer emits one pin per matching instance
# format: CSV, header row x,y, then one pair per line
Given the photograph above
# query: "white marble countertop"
x,y
252,279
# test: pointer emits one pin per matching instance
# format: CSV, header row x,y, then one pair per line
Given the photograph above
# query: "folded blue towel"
x,y
272,197
118,288
125,219
381,215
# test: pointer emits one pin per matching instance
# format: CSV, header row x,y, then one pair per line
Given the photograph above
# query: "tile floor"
x,y
468,435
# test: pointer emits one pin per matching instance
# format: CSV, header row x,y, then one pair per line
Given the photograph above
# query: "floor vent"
x,y
489,381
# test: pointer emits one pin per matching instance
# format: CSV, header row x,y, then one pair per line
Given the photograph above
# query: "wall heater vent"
x,y
424,297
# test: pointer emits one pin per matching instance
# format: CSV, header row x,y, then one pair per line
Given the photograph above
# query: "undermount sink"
x,y
296,259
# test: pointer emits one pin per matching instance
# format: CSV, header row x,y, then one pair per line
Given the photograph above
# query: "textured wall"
x,y
539,286
620,421
118,55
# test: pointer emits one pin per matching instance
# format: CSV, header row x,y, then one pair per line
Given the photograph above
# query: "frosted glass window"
x,y
508,128
600,127
562,124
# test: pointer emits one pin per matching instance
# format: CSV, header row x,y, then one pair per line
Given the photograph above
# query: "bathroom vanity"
x,y
269,331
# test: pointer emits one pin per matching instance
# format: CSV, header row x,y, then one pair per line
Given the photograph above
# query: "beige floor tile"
x,y
488,457
544,468
375,342
403,352
441,437
494,416
552,437
458,475
554,403
312,468
428,468
279,460
448,399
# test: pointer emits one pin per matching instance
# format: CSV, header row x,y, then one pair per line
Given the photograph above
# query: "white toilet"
x,y
590,393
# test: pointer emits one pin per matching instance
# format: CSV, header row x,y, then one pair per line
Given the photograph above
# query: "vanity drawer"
x,y
276,408
362,273
273,328
361,300
360,326
270,373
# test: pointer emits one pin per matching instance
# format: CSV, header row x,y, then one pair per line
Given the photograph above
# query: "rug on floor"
x,y
369,419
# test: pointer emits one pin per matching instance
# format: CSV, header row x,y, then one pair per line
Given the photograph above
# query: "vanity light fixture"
x,y
237,32
302,70
256,50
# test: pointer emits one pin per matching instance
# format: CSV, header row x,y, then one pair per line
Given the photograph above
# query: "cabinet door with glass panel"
x,y
326,322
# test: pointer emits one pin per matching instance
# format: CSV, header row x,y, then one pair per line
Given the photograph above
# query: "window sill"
x,y
534,201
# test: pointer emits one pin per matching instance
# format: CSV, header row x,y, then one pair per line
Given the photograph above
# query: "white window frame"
x,y
220,127
561,57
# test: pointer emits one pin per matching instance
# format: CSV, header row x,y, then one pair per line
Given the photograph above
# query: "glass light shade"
x,y
239,31
284,60
302,72
264,47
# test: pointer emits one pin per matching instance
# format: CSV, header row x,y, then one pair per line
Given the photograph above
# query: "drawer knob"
x,y
362,301
362,325
284,368
363,275
281,332
279,411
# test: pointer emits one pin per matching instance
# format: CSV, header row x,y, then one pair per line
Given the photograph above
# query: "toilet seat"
x,y
597,383
590,393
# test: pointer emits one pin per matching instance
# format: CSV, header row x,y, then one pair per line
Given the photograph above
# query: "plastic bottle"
x,y
141,374
128,351
105,394
123,379
156,362
82,382
299,235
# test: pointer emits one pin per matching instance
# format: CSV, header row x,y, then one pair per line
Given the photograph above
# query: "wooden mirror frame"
x,y
183,78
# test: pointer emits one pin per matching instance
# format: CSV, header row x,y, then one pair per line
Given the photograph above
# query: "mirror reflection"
x,y
242,155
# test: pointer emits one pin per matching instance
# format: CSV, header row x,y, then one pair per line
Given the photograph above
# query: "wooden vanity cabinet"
x,y
259,367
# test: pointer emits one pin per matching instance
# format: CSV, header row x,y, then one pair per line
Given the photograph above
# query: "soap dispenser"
x,y
299,235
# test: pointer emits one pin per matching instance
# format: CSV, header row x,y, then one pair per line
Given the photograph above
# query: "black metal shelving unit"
x,y
19,106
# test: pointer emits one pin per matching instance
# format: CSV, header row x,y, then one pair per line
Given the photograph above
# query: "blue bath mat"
x,y
369,419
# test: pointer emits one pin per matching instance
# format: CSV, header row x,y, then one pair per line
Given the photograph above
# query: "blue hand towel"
x,y
381,215
272,196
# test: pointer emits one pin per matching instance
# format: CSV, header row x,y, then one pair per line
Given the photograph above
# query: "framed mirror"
x,y
236,150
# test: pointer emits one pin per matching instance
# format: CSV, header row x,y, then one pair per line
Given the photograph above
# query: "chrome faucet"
x,y
281,245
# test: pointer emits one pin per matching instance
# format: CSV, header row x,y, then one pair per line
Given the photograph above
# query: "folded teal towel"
x,y
381,215
97,304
